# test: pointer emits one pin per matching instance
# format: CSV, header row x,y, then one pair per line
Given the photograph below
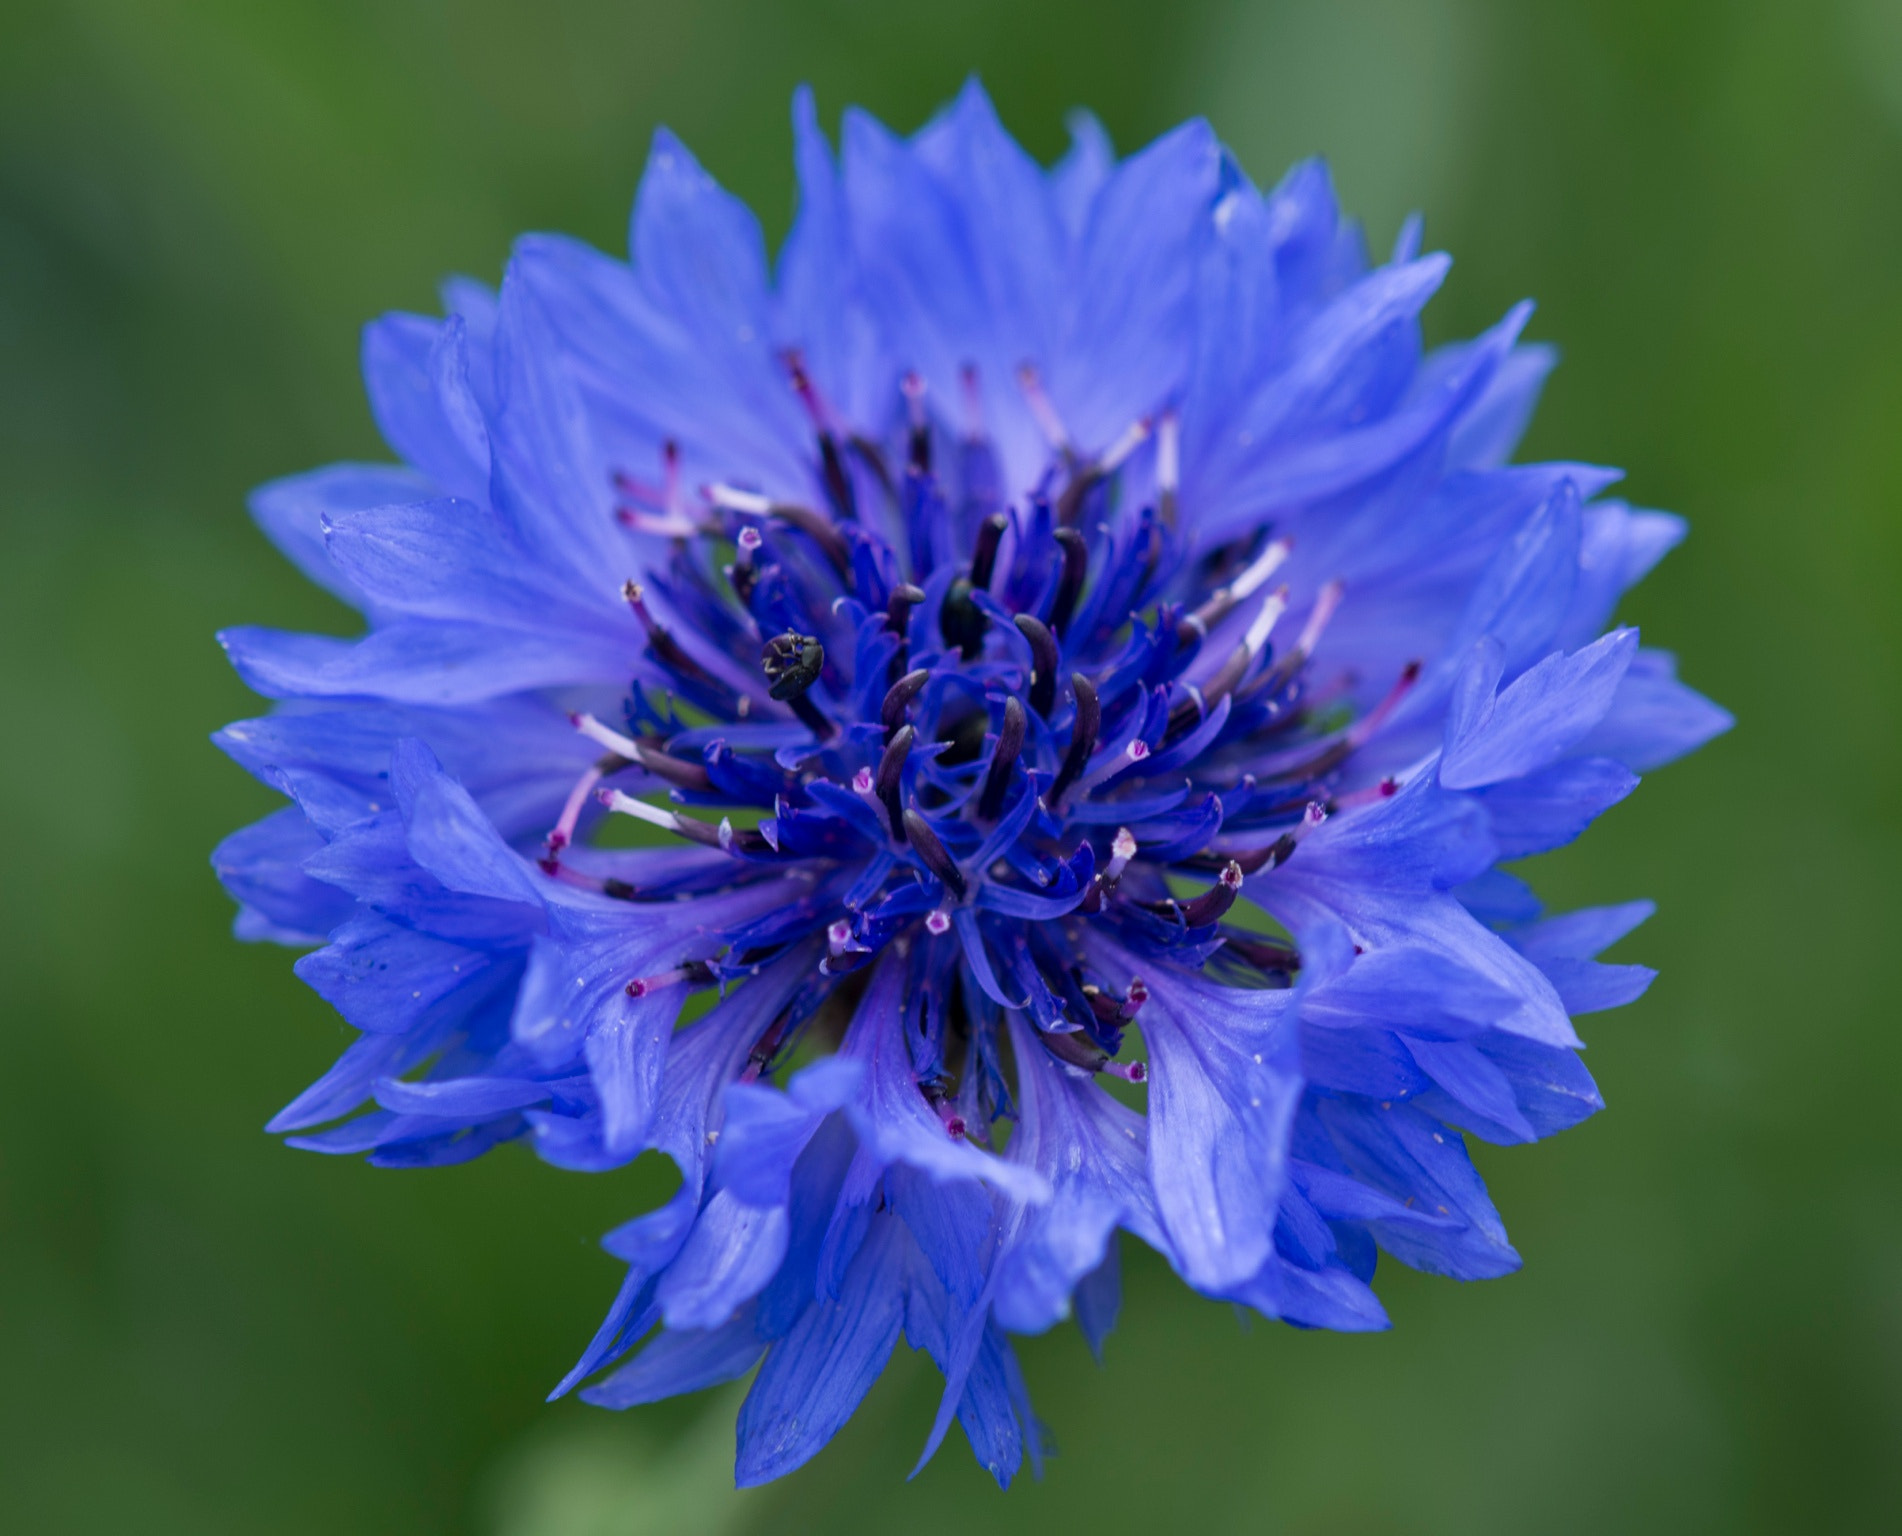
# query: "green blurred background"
x,y
201,200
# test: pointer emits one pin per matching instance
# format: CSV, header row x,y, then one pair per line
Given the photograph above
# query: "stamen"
x,y
933,853
962,621
660,639
832,467
1010,741
1134,436
1386,789
1076,561
1168,466
675,770
1263,954
890,776
564,830
865,786
898,697
838,938
1228,677
1077,1049
973,403
918,441
990,534
696,972
937,1093
938,922
694,831
741,574
1122,850
1041,410
1089,719
1044,658
1222,602
1214,903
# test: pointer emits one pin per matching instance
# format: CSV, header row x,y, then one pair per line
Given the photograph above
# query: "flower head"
x,y
1061,628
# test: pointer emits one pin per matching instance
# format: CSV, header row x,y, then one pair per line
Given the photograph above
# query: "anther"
x,y
898,697
1089,719
1223,601
1168,466
626,750
838,937
890,776
1076,561
938,922
1133,437
1044,658
1214,903
742,573
660,639
1041,410
1263,954
1076,1049
1010,742
1122,850
694,972
832,466
933,853
918,438
990,533
962,621
668,821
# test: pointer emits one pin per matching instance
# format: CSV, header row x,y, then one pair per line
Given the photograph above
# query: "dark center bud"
x,y
890,775
1076,564
1089,720
898,697
1010,742
962,621
1043,658
990,534
933,854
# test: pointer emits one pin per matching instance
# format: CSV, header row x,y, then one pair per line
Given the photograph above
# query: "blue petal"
x,y
1654,719
1542,714
1222,1089
817,1375
263,866
291,513
680,1361
1095,1153
416,371
1551,807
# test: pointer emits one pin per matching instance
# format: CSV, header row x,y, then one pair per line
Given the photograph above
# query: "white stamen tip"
x,y
1138,750
938,921
749,539
1272,609
1168,452
1124,845
1265,565
862,782
731,498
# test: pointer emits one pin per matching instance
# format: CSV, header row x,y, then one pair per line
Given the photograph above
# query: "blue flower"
x,y
1058,632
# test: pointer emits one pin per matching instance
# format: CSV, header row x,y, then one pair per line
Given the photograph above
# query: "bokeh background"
x,y
201,200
